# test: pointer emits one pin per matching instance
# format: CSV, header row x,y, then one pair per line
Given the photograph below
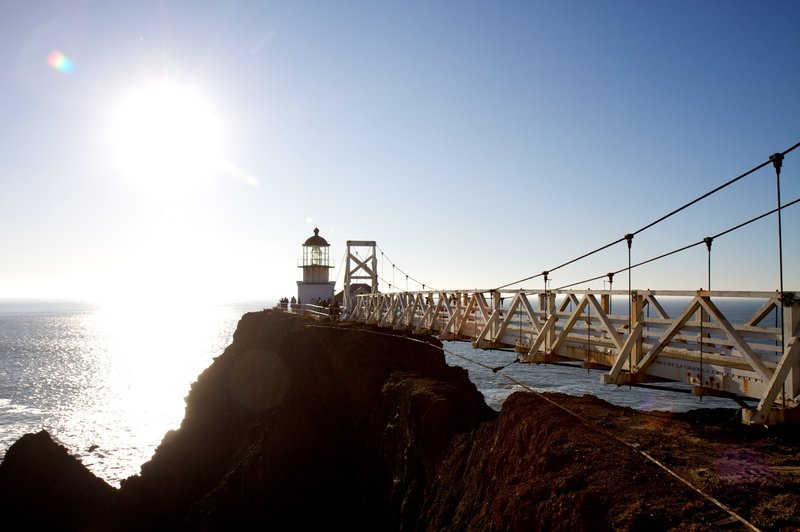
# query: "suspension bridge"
x,y
743,345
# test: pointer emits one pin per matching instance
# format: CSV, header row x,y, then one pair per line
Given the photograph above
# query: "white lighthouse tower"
x,y
316,265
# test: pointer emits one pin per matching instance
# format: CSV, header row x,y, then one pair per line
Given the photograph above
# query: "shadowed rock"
x,y
298,425
42,486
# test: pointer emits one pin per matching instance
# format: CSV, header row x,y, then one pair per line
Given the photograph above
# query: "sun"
x,y
166,137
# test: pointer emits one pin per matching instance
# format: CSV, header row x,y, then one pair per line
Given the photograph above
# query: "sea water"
x,y
108,383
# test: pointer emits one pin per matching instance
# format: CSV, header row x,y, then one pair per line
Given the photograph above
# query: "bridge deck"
x,y
720,342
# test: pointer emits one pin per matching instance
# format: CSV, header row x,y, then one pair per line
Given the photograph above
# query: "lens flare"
x,y
740,465
60,62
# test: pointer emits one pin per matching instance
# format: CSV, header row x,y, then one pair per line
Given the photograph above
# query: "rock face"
x,y
299,425
43,487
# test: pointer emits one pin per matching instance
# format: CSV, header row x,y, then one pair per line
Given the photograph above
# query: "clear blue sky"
x,y
476,142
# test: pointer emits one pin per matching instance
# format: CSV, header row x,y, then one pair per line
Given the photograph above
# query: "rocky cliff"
x,y
299,425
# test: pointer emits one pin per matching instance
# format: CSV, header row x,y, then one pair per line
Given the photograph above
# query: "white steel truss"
x,y
715,353
359,269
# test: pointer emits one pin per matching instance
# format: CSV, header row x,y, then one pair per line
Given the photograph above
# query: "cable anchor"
x,y
777,162
629,238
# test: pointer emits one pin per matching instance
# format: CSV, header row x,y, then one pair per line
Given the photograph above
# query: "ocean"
x,y
108,383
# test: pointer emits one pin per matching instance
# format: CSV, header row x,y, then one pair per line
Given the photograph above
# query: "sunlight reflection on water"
x,y
107,383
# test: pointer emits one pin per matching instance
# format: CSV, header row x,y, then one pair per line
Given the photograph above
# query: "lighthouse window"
x,y
316,255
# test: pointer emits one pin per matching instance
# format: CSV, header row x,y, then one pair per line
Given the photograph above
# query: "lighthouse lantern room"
x,y
316,265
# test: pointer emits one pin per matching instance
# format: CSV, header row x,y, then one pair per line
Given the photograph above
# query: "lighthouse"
x,y
316,266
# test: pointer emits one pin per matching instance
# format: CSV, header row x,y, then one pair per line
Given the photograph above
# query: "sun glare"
x,y
166,138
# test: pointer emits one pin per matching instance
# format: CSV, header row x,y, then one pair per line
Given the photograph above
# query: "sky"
x,y
185,150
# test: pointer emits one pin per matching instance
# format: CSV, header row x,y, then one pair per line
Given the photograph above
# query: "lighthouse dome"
x,y
316,240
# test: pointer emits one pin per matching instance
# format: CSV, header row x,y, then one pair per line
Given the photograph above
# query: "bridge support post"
x,y
791,329
457,311
784,382
498,303
550,340
637,304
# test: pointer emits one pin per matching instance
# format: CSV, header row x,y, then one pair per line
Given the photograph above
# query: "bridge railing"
x,y
319,312
735,344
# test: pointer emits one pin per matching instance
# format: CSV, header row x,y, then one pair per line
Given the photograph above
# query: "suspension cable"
x,y
632,266
629,239
708,241
776,159
564,264
688,246
610,276
714,191
777,162
403,272
662,218
380,277
341,266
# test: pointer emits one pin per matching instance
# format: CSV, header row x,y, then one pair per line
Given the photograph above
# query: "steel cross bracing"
x,y
698,345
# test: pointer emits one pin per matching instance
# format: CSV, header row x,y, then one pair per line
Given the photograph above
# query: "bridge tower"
x,y
316,266
358,269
